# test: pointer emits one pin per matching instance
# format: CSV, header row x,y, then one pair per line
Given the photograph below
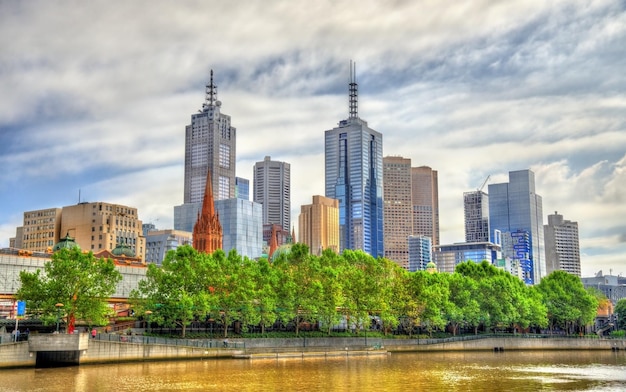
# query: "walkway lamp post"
x,y
58,306
148,313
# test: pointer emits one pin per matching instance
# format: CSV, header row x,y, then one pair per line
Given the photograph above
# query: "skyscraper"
x,y
319,225
398,223
562,245
354,175
272,189
209,146
425,193
476,209
516,210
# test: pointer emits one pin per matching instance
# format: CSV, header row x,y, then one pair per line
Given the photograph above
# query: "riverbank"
x,y
23,354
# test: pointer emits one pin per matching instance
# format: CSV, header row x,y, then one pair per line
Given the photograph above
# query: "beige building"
x,y
398,207
319,224
40,230
103,226
425,193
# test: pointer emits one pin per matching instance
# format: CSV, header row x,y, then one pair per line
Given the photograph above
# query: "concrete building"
x,y
210,145
562,245
40,230
420,252
272,189
101,226
159,242
353,161
476,211
514,208
448,256
614,287
318,225
398,209
242,226
425,194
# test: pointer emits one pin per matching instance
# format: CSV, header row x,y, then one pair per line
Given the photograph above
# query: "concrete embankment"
x,y
23,354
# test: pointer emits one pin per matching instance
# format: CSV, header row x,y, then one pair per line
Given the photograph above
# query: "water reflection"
x,y
461,371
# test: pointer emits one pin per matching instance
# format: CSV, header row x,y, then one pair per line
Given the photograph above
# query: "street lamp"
x,y
148,313
58,306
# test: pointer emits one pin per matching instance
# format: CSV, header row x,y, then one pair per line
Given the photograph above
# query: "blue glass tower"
x,y
516,210
354,176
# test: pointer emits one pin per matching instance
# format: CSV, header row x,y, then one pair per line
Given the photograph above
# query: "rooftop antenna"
x,y
210,93
353,92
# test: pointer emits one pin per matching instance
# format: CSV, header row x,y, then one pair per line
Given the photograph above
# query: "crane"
x,y
484,183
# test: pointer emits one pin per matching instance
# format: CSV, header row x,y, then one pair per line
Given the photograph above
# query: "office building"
x,y
40,231
354,176
420,252
272,189
159,242
102,226
242,226
398,208
448,256
318,225
515,208
476,211
210,145
562,245
242,188
425,194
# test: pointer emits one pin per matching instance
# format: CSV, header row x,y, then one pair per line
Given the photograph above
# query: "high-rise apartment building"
x,y
272,189
210,145
562,245
318,225
516,209
425,194
476,209
102,226
40,231
398,207
354,176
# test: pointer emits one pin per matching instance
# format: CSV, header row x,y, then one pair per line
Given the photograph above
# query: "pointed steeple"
x,y
207,232
273,242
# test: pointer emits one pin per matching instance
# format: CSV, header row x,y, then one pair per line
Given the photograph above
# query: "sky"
x,y
95,96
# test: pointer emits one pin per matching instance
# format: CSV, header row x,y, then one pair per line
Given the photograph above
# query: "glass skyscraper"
x,y
354,176
515,209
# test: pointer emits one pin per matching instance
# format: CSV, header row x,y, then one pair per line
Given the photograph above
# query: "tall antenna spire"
x,y
211,93
353,92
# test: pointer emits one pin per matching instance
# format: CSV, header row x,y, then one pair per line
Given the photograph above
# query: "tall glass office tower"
x,y
516,210
354,176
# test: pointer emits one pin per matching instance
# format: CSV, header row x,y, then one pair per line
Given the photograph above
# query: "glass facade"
x,y
420,250
242,226
354,175
515,207
448,256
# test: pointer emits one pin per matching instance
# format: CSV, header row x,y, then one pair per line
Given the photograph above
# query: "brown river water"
x,y
458,371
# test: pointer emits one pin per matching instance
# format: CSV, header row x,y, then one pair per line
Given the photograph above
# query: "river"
x,y
458,371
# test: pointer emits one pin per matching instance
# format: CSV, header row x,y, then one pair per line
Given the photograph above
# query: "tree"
x,y
463,308
620,310
79,281
265,279
178,291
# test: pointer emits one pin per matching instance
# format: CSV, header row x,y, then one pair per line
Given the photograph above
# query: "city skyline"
x,y
98,107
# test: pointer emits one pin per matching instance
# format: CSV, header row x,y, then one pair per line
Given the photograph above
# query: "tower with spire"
x,y
353,155
207,232
210,146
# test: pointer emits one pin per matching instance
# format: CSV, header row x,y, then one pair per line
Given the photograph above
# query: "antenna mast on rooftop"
x,y
353,92
211,93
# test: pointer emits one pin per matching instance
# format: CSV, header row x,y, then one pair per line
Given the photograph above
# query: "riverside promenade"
x,y
112,348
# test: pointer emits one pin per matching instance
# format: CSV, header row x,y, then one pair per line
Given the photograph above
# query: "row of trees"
x,y
298,287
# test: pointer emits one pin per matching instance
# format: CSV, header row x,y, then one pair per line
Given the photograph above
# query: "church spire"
x,y
207,232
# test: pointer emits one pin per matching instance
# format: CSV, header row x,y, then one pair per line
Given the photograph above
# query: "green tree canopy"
x,y
79,281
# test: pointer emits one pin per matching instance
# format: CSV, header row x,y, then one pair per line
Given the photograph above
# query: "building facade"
x,y
425,193
476,211
562,245
318,225
210,145
354,176
242,226
420,252
159,242
272,189
448,256
242,188
398,208
40,230
102,226
515,208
